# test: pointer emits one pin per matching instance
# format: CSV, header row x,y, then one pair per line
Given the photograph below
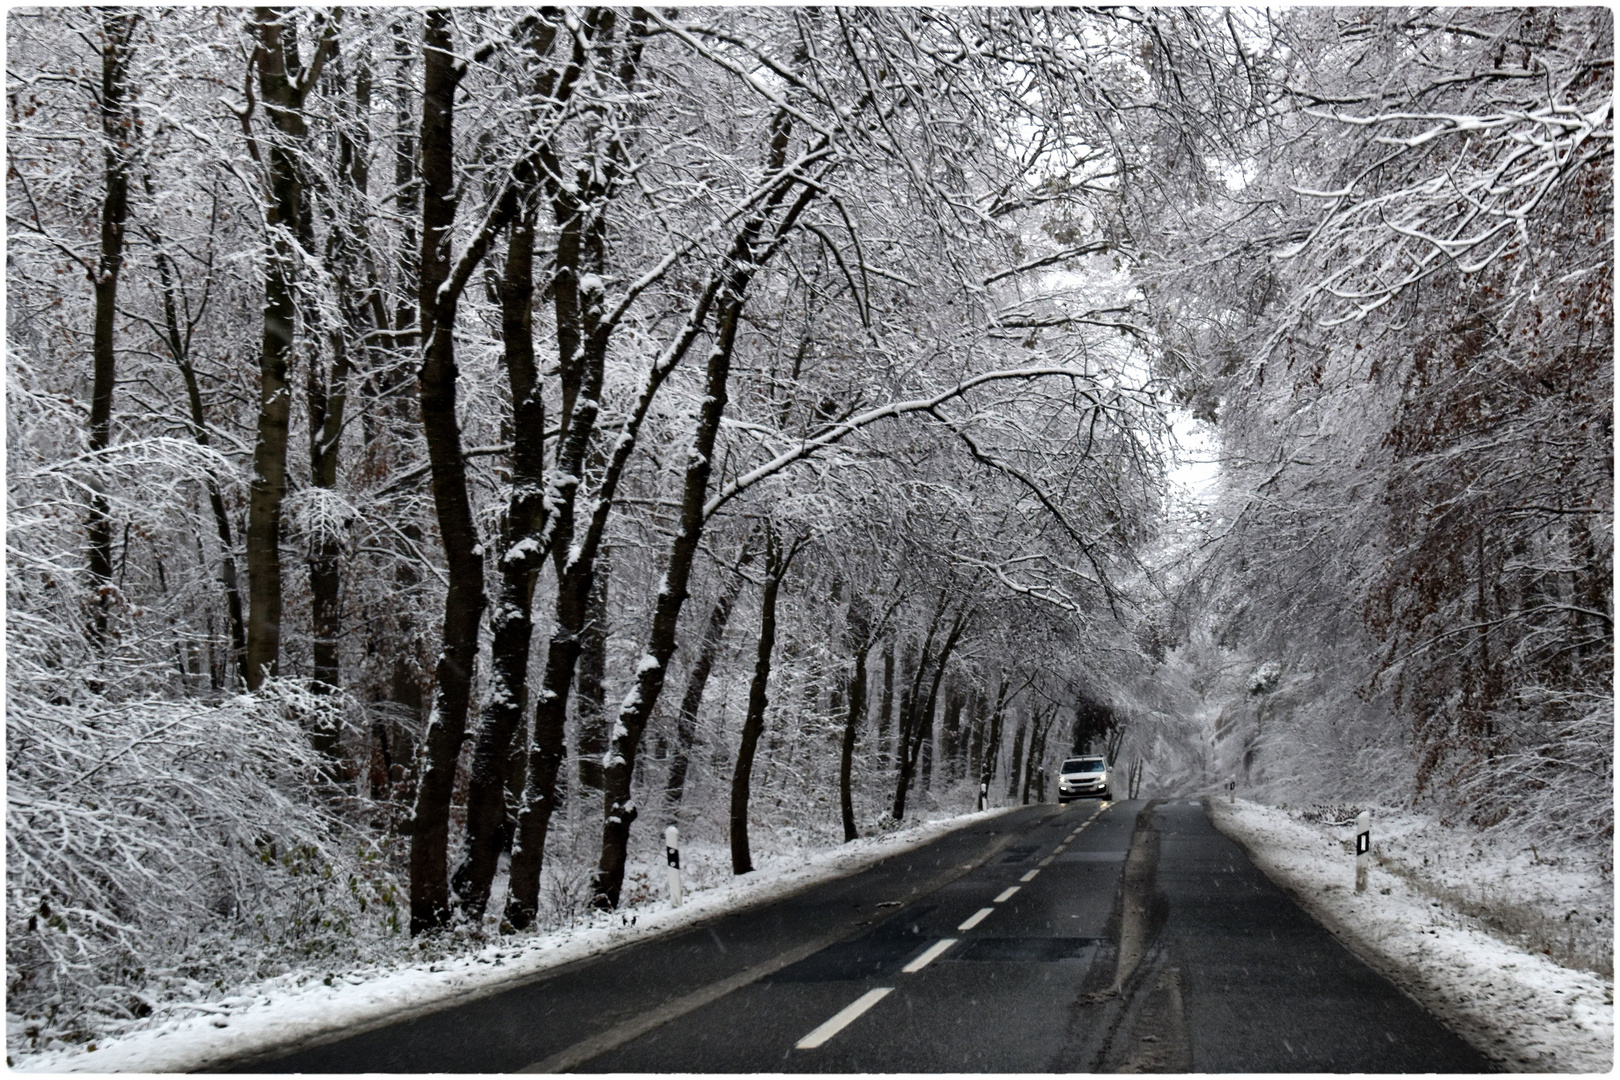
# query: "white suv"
x,y
1081,777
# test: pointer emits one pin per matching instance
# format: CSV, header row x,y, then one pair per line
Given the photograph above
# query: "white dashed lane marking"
x,y
843,1018
1029,876
976,918
1048,860
929,957
1007,895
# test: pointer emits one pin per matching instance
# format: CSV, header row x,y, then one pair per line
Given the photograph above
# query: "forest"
x,y
446,446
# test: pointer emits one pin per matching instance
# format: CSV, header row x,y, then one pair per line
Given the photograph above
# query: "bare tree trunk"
x,y
575,581
846,760
1015,760
923,723
992,747
406,190
395,385
520,561
909,705
776,566
925,752
177,340
582,342
1037,751
740,267
1029,764
950,736
697,679
464,599
886,705
501,763
117,134
348,236
619,811
590,690
978,716
284,83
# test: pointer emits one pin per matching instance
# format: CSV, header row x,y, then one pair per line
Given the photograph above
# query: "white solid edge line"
x,y
1007,895
843,1018
976,918
929,957
1029,876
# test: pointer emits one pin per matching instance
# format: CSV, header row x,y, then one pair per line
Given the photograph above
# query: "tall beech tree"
x,y
523,526
118,136
284,84
359,314
442,279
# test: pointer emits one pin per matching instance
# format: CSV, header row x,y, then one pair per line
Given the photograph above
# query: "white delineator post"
x,y
672,851
1363,848
984,794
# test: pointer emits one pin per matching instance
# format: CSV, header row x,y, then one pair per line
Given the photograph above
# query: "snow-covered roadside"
x,y
280,1011
1518,1007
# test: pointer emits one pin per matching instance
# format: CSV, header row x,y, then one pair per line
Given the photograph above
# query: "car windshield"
x,y
1074,765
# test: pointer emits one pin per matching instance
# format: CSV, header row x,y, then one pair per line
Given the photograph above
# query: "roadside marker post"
x,y
984,794
672,852
1231,790
1363,848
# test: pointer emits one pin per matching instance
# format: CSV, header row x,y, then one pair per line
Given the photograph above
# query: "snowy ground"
x,y
1467,928
300,1006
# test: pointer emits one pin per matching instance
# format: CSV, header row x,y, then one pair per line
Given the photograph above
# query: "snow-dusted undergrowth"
x,y
1473,929
304,1004
159,852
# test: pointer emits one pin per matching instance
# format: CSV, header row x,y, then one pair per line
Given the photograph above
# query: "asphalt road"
x,y
1021,944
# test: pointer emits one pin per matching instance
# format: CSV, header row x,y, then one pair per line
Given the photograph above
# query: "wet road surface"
x,y
1017,944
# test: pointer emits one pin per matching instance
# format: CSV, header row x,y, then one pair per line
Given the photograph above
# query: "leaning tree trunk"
x,y
501,759
618,808
117,133
619,811
576,577
576,559
754,721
